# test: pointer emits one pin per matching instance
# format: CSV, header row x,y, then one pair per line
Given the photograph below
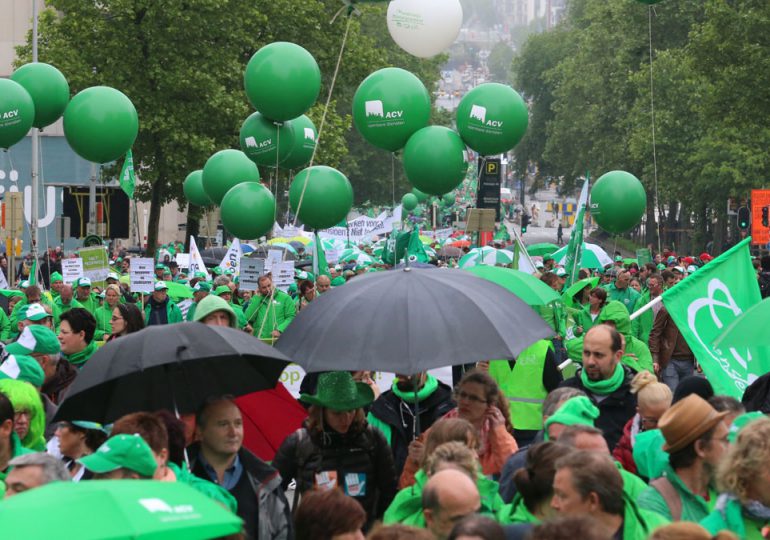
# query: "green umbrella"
x,y
485,255
116,509
11,292
527,287
177,290
593,256
630,261
579,286
749,329
538,250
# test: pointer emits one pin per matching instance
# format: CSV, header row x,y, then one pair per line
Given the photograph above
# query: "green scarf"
x,y
607,386
422,394
79,359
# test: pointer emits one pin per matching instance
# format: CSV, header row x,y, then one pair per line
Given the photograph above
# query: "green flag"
x,y
575,246
415,249
704,303
127,178
33,273
320,266
389,250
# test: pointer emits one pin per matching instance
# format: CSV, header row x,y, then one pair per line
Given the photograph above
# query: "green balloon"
x,y
248,210
492,118
409,201
266,142
49,90
226,169
193,189
448,199
100,124
282,80
618,201
389,106
326,200
417,211
434,160
17,112
305,135
421,197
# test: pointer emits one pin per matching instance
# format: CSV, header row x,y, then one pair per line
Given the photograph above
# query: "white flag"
x,y
232,259
196,261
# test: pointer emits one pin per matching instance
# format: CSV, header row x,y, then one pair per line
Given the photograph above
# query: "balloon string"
x,y
393,177
652,114
323,117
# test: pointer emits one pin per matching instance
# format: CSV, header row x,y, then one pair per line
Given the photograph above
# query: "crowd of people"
x,y
627,441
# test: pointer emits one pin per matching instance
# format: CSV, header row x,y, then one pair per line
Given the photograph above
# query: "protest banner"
x,y
71,269
643,256
183,260
141,275
95,264
283,274
274,256
251,269
196,261
232,258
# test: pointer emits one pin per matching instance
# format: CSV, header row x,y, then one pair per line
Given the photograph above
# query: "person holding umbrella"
x,y
338,449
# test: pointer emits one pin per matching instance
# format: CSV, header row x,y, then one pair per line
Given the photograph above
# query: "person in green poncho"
x,y
588,483
76,336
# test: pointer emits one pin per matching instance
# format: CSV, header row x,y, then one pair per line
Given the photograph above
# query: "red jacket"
x,y
624,450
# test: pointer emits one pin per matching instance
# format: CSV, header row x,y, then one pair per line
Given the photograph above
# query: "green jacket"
x,y
103,316
728,515
240,316
642,325
406,507
16,450
649,456
277,315
638,524
79,359
516,512
694,507
5,326
583,319
627,296
633,486
91,303
555,315
173,315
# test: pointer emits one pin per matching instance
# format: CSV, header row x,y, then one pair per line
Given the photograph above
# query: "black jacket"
x,y
359,458
757,395
262,504
399,415
614,410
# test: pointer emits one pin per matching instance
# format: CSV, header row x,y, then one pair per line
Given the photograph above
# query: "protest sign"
x,y
643,256
274,256
71,269
232,258
332,256
283,274
251,269
142,275
183,260
95,264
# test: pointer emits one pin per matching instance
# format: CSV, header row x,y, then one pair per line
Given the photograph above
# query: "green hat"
x,y
202,286
213,303
560,272
33,312
618,258
83,282
35,338
292,287
160,266
575,411
22,368
339,392
200,275
339,280
222,289
55,277
24,284
216,271
122,452
741,422
161,286
119,260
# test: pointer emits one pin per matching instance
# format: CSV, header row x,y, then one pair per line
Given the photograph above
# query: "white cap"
x,y
161,286
84,282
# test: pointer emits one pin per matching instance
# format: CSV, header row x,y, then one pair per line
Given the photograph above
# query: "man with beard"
x,y
395,410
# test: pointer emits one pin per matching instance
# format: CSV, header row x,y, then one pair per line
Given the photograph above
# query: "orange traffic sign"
x,y
760,234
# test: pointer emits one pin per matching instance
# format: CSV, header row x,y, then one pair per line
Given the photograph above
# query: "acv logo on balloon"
x,y
374,108
10,114
480,113
252,143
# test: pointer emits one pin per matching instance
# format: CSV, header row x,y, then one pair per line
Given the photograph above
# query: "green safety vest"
x,y
523,385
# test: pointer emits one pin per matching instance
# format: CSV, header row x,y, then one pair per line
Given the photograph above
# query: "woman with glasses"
x,y
104,313
126,319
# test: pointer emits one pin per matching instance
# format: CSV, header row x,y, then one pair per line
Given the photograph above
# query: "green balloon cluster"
x,y
248,210
409,202
618,201
492,118
326,200
282,80
48,88
266,142
448,199
421,197
193,189
305,135
434,160
100,124
389,106
225,170
17,112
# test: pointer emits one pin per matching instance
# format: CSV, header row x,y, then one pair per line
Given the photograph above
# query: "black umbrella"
x,y
172,367
411,320
450,251
261,252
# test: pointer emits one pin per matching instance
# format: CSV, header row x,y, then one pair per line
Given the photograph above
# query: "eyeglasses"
x,y
458,395
116,318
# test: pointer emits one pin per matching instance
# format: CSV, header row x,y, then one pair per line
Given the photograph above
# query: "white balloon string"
x,y
393,177
323,117
652,114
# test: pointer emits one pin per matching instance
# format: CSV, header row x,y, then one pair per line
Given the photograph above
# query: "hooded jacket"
x,y
155,312
209,305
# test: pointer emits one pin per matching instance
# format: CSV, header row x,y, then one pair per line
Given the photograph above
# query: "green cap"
x,y
33,312
741,422
22,368
202,286
122,452
339,280
575,411
35,338
222,289
201,275
56,276
160,266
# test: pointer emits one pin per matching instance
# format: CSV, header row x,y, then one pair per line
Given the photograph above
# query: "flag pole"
x,y
655,301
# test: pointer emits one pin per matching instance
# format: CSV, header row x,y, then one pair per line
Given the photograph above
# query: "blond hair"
x,y
745,460
649,391
685,530
455,453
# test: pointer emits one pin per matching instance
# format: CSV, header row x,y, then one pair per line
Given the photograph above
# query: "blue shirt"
x,y
231,476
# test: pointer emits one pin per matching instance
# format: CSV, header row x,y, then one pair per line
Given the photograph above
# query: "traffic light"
x,y
744,218
524,222
765,220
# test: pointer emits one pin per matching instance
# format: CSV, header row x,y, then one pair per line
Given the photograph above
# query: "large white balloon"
x,y
424,28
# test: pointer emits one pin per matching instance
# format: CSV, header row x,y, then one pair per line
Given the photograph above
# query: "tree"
x,y
499,63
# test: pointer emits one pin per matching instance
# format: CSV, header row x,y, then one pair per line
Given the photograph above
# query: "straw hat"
x,y
686,421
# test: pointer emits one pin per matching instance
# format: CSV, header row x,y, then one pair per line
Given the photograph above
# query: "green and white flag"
x,y
320,266
704,303
575,246
127,178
